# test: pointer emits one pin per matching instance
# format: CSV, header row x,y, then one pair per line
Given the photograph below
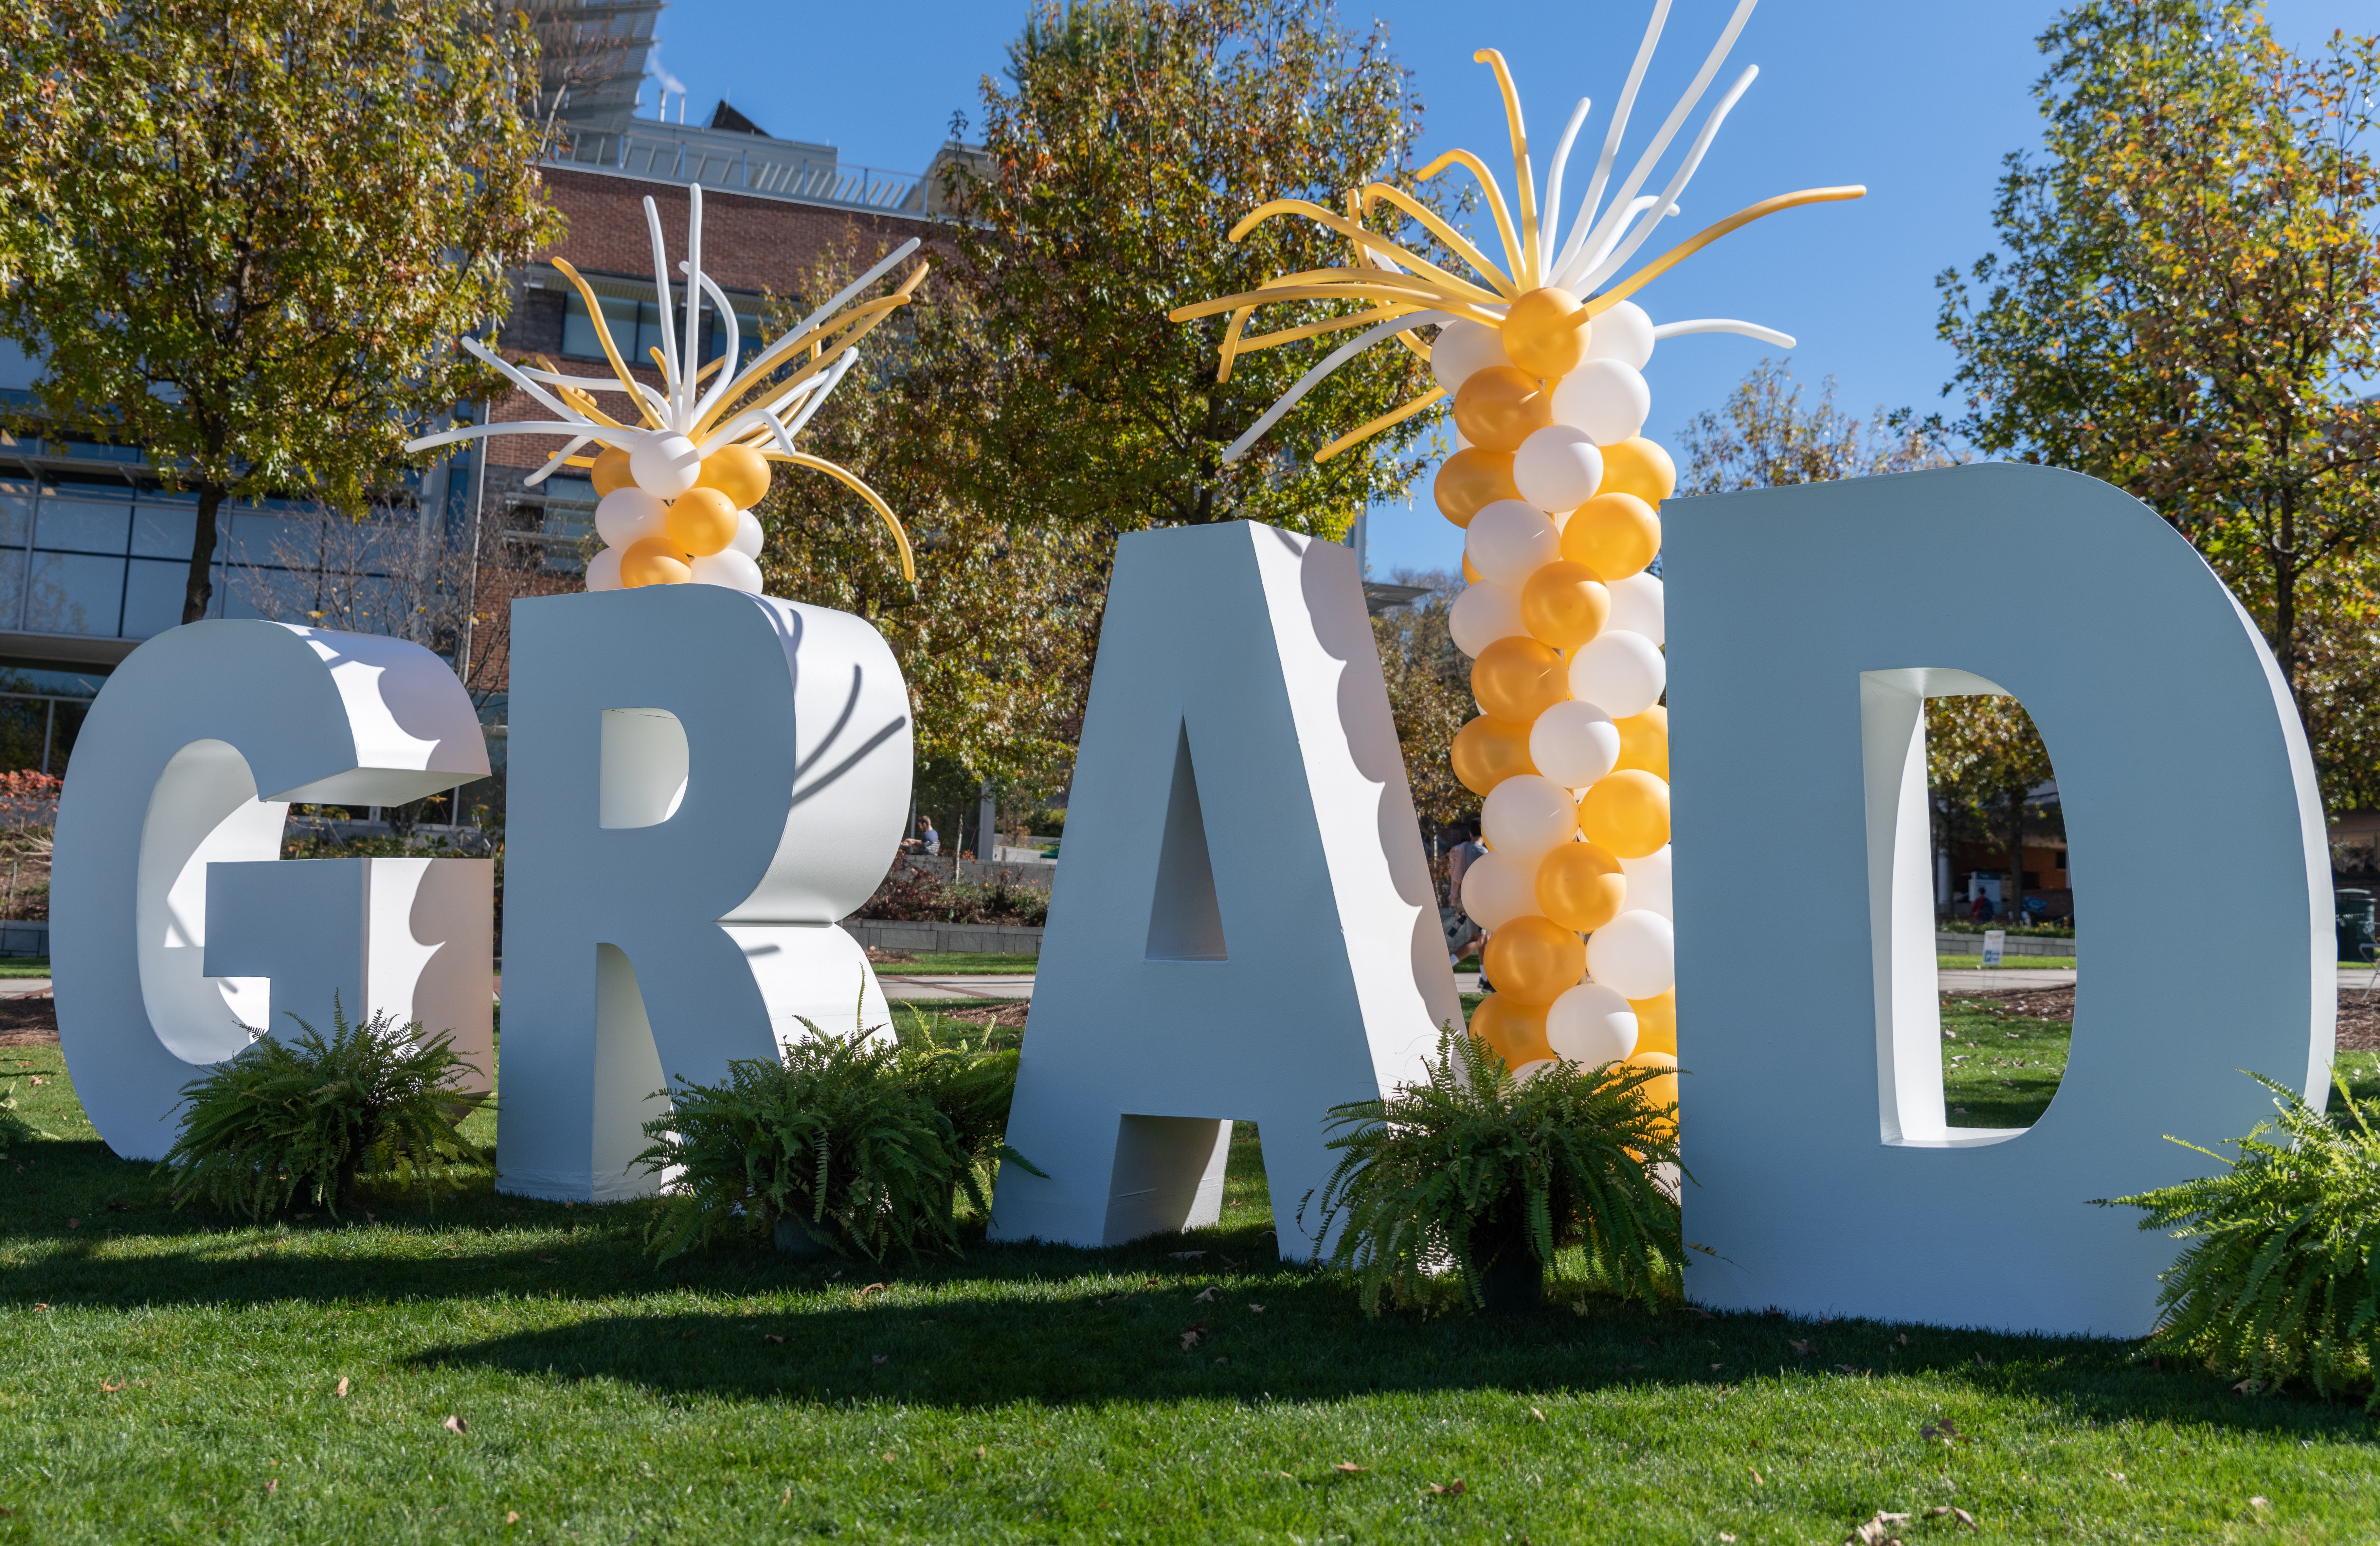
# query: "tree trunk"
x,y
2285,599
200,590
2014,893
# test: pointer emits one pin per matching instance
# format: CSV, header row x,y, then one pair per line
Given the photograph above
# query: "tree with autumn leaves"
x,y
2187,304
243,235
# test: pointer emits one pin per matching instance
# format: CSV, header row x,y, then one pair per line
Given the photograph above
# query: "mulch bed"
x,y
1004,1017
28,1021
2359,1019
883,957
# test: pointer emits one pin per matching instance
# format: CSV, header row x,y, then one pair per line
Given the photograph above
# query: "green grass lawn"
x,y
968,962
24,966
2007,963
174,1376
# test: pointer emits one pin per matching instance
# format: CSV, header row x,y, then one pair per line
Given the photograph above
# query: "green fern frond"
x,y
1472,1164
2282,1280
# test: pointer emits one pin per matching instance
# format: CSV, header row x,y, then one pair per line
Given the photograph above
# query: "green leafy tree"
x,y
1430,694
1766,436
1983,758
243,234
996,638
2187,301
1130,138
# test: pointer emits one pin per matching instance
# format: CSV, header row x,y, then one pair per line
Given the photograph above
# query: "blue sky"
x,y
1917,99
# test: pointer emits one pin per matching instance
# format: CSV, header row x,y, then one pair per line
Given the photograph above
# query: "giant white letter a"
x,y
1244,925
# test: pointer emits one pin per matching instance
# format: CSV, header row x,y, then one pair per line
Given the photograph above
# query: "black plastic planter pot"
x,y
1513,1284
793,1238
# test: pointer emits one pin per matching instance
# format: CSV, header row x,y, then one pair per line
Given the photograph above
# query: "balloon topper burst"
x,y
1541,306
678,486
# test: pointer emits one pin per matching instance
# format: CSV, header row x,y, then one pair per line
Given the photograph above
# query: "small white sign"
x,y
1995,941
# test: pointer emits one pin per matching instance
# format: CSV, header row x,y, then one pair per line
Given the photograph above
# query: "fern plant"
x,y
867,1144
2284,1279
1481,1170
318,1115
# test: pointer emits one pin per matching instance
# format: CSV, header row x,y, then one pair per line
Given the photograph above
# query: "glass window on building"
x,y
78,518
75,593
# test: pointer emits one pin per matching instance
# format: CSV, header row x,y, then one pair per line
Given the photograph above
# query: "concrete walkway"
x,y
920,989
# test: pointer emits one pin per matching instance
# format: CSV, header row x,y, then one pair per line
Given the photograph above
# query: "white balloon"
x,y
1525,816
729,568
1623,334
1557,468
1507,541
1482,614
1619,671
1638,607
749,536
624,515
664,464
1497,890
1462,347
1633,955
1530,1069
1574,744
1604,399
1591,1025
1648,883
603,570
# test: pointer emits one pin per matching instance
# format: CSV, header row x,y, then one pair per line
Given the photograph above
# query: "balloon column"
x,y
678,486
1559,494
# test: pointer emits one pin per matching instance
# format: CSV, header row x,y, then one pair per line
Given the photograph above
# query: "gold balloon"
x,y
1544,334
1470,478
1533,960
612,471
701,520
1499,407
1638,466
1516,1033
1564,604
653,563
1580,886
1645,742
737,471
1656,1023
1519,679
1614,534
1470,576
1486,752
1661,1090
1626,813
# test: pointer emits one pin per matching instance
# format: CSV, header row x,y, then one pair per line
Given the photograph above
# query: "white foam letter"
x,y
1244,925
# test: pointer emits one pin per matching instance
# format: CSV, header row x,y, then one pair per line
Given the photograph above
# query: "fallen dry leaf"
x,y
1192,1334
1452,1489
1945,1510
1536,1414
1800,1348
1186,1255
550,1261
1205,1296
873,1288
457,1425
771,1336
1878,1530
1222,1361
1726,1539
1846,1369
272,1486
37,1080
341,1389
1904,1339
1350,1466
1255,1310
512,1516
1757,1480
1231,1267
2260,1503
74,1224
888,1456
2249,1386
879,1361
104,1385
39,1307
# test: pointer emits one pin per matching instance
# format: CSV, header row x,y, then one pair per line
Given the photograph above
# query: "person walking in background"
x,y
1469,935
928,838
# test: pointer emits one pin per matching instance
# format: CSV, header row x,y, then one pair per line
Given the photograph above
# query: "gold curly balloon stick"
x,y
678,486
1558,492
